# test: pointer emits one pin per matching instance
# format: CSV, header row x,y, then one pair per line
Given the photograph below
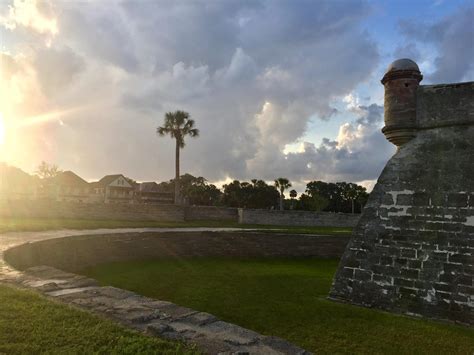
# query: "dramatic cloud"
x,y
359,153
253,74
453,38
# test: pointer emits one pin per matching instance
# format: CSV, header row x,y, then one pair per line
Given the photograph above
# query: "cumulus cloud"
x,y
359,152
31,14
251,73
56,68
452,36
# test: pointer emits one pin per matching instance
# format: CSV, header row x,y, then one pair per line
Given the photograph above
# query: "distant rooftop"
x,y
68,178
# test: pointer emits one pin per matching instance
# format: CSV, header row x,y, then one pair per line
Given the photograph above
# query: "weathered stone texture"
x,y
144,212
93,211
79,252
412,250
298,218
208,213
445,104
154,317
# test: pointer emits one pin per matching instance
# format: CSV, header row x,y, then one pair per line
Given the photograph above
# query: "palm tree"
x,y
282,184
178,125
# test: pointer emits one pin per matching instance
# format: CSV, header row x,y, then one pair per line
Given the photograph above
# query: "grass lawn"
x,y
38,224
31,324
286,298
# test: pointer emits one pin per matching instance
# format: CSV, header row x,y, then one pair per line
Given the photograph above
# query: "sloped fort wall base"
x,y
412,250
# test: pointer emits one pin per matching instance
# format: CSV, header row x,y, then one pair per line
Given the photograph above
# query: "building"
x,y
15,184
66,186
112,189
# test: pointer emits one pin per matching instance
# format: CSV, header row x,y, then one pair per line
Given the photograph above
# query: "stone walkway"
x,y
154,317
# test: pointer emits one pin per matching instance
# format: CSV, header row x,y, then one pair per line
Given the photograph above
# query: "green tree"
x,y
313,202
354,192
340,196
282,184
293,194
178,125
254,194
46,170
195,190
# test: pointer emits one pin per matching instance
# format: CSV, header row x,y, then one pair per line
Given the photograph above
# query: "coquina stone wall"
x,y
79,252
144,212
210,213
297,218
97,211
412,250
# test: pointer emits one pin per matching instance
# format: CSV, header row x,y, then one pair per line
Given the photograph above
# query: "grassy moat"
x,y
285,298
280,297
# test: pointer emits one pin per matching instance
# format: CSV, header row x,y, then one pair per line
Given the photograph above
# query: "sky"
x,y
278,88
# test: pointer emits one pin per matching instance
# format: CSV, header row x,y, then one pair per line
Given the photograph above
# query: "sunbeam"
x,y
60,116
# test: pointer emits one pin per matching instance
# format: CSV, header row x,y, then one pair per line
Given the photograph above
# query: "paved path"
x,y
152,316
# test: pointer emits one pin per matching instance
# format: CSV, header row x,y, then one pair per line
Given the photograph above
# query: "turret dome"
x,y
403,64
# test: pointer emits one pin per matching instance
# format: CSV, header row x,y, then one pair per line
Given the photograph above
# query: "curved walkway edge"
x,y
154,317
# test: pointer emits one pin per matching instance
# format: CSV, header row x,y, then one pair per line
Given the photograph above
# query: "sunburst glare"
x,y
2,129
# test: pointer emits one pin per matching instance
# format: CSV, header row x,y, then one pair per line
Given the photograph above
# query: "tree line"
x,y
318,196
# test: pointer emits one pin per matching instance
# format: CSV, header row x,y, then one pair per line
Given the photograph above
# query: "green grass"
x,y
38,224
285,298
31,324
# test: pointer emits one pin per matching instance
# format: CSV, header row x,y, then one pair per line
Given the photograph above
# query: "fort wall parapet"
x,y
413,249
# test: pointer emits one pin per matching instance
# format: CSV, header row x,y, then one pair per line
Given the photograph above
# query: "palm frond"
x,y
178,125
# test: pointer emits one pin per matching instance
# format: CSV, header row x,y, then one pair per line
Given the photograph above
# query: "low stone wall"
x,y
211,213
97,211
298,218
79,252
145,212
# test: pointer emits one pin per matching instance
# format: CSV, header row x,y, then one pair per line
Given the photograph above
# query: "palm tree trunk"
x,y
352,200
281,201
177,197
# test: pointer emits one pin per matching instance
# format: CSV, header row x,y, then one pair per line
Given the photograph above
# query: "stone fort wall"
x,y
298,218
196,213
79,252
96,211
144,212
412,250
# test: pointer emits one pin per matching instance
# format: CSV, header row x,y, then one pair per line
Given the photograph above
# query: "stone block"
x,y
403,282
461,258
409,273
362,275
387,199
407,253
457,200
405,200
421,199
414,264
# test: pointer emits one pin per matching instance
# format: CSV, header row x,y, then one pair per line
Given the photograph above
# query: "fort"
x,y
412,249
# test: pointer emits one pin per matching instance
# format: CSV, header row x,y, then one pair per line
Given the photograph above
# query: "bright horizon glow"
x,y
2,129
